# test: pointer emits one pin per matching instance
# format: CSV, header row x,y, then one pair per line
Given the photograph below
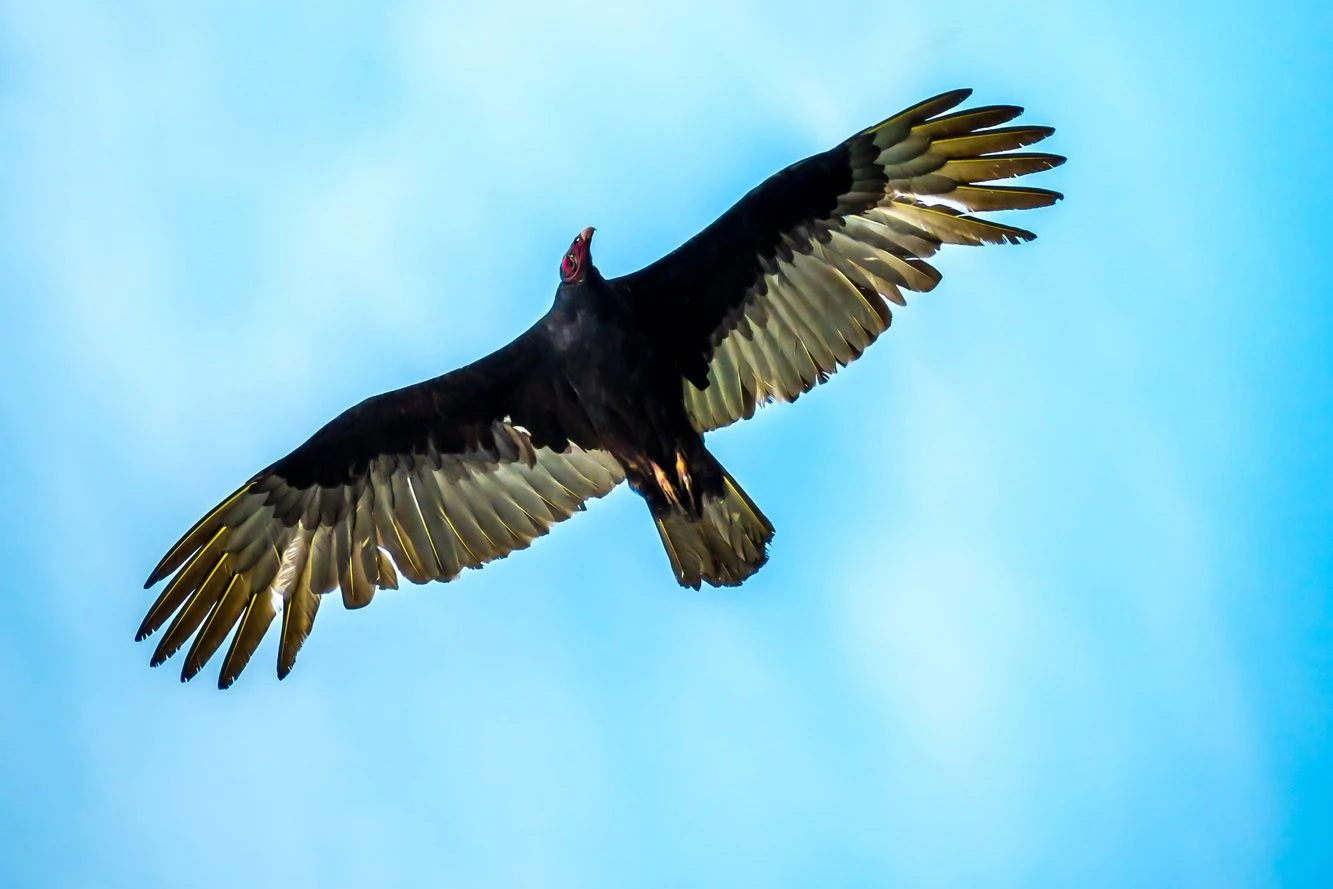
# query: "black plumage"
x,y
618,381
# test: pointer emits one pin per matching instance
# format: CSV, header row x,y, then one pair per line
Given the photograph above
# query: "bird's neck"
x,y
589,297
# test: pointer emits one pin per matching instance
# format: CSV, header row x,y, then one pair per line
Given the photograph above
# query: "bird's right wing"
x,y
794,281
426,480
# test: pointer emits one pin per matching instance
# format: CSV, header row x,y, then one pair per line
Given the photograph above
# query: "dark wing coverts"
x,y
791,282
426,480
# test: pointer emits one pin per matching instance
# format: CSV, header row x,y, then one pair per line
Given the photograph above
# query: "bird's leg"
x,y
683,473
664,484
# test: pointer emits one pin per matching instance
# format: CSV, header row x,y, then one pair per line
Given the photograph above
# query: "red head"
x,y
577,261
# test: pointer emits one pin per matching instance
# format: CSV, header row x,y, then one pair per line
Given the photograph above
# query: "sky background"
x,y
1049,603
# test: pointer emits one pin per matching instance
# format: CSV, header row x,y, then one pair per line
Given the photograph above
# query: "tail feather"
x,y
724,545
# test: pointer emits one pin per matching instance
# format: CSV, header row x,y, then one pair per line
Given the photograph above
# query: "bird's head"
x,y
578,258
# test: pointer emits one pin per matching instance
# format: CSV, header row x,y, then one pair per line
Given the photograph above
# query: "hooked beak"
x,y
586,234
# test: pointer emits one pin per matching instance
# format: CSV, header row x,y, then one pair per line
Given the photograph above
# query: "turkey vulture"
x,y
619,380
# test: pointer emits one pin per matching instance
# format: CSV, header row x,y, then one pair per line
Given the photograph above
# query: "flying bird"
x,y
618,381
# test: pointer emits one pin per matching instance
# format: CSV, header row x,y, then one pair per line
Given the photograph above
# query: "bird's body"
x,y
628,388
620,380
624,386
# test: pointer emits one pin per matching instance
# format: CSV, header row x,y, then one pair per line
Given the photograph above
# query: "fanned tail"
x,y
723,545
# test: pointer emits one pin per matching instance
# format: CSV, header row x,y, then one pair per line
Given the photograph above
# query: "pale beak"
x,y
586,234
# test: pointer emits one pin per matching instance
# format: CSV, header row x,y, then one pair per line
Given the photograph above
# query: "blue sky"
x,y
1049,601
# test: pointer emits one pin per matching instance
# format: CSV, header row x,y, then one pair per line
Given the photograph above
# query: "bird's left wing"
x,y
425,481
791,282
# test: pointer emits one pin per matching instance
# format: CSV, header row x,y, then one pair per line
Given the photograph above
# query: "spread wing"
x,y
791,283
426,480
